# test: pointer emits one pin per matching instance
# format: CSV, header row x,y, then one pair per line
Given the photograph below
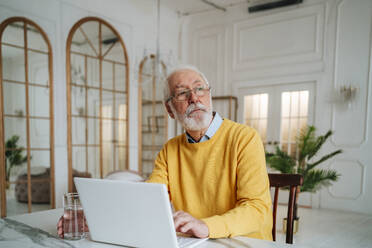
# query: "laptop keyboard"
x,y
188,242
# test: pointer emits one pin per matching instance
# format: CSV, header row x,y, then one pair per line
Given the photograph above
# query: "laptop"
x,y
130,213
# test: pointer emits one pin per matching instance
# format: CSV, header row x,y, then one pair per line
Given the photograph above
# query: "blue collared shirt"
x,y
215,125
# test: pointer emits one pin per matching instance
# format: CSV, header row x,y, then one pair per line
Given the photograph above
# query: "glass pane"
x,y
111,46
40,161
93,72
94,157
304,96
107,104
303,123
78,69
79,159
262,129
35,39
294,129
121,132
88,40
93,102
284,132
93,131
122,107
120,77
107,146
78,130
295,103
264,105
107,75
120,155
39,101
13,60
15,127
247,107
78,101
13,34
293,150
286,101
16,197
14,99
39,133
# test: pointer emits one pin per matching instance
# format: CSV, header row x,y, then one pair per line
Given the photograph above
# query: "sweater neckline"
x,y
207,142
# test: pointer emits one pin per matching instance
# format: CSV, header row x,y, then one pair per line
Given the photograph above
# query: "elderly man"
x,y
215,172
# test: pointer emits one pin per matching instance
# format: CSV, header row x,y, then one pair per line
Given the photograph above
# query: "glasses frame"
x,y
188,94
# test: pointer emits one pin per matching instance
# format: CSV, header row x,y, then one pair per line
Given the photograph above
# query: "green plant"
x,y
13,155
308,144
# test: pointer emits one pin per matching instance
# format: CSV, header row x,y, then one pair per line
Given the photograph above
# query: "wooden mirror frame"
x,y
3,26
68,79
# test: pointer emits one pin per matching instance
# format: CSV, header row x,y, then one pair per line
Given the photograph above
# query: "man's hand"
x,y
185,223
60,227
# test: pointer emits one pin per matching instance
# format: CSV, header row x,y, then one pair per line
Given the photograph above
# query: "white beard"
x,y
200,121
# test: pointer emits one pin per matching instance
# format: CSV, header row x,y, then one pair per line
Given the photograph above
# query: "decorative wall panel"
x,y
352,67
352,174
209,55
285,38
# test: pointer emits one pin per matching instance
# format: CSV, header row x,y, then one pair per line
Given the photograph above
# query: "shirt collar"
x,y
212,129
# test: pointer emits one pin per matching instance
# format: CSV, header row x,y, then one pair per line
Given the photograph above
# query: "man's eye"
x,y
182,93
199,89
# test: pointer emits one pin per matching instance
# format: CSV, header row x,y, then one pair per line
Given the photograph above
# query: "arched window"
x,y
27,136
152,118
97,98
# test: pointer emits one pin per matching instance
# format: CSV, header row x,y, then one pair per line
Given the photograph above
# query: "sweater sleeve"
x,y
252,213
160,171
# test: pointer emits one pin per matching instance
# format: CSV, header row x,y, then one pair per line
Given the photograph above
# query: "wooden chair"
x,y
285,180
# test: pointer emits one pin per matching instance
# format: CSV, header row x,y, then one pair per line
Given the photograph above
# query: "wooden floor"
x,y
329,228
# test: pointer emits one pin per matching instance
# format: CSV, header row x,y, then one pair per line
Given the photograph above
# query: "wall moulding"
x,y
352,174
352,44
208,53
256,43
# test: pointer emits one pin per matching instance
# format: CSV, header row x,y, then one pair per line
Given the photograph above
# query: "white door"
x,y
279,113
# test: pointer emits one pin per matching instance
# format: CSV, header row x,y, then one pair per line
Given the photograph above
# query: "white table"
x,y
13,234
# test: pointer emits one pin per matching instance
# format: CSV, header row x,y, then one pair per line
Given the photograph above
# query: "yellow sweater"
x,y
222,181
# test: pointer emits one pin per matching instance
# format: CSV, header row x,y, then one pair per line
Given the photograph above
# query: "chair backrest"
x,y
293,181
125,175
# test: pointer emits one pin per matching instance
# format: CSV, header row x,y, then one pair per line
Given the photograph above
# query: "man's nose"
x,y
193,97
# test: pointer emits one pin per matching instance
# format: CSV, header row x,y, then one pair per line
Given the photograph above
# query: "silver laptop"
x,y
130,213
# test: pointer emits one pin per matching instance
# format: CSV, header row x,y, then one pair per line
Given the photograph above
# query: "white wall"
x,y
135,20
323,41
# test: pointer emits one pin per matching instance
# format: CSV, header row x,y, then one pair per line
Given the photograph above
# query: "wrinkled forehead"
x,y
184,79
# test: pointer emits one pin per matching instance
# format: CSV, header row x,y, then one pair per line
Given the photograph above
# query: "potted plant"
x,y
305,162
13,156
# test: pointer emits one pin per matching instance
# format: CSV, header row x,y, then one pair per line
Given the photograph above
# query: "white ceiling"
x,y
187,7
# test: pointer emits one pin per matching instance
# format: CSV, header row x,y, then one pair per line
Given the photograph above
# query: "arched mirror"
x,y
27,137
97,98
153,119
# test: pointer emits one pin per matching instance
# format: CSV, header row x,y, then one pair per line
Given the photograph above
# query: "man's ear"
x,y
169,110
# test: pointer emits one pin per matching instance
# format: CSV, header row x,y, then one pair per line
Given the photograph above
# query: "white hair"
x,y
176,69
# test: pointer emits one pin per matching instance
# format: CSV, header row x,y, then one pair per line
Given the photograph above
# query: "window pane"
x,y
39,133
78,101
256,113
14,99
93,72
107,75
120,77
78,69
13,34
35,39
13,60
39,101
294,117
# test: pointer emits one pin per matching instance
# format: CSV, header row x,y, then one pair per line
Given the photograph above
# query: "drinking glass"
x,y
74,221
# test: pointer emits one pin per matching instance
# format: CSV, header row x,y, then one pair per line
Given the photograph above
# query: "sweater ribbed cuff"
x,y
216,226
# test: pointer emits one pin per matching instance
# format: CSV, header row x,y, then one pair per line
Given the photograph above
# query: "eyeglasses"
x,y
185,95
